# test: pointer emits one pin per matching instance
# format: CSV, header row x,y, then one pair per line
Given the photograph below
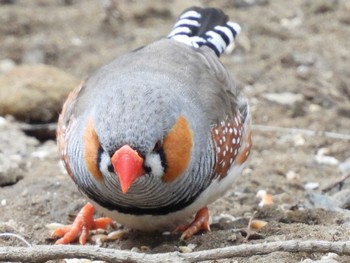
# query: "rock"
x,y
14,146
10,172
35,93
284,98
6,65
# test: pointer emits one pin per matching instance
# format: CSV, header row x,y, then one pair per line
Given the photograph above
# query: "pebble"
x,y
344,167
322,158
99,239
328,160
293,176
6,65
185,249
40,89
284,98
118,234
3,202
145,248
311,185
135,249
258,224
10,171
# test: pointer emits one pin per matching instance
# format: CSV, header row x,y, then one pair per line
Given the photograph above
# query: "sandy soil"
x,y
301,47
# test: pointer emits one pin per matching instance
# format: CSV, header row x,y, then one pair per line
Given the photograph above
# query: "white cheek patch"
x,y
154,162
104,163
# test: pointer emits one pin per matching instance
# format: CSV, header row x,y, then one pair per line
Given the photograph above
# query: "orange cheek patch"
x,y
177,147
91,148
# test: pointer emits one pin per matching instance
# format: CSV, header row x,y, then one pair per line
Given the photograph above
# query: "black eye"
x,y
157,146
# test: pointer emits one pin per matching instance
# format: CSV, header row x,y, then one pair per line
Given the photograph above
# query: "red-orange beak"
x,y
128,165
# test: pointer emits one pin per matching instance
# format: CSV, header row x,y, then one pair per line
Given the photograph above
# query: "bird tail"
x,y
205,27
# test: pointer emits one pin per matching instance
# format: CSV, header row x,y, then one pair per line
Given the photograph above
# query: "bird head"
x,y
127,147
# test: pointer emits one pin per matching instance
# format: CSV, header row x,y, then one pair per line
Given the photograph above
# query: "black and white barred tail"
x,y
205,26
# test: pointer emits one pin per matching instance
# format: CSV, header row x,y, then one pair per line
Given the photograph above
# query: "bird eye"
x,y
157,146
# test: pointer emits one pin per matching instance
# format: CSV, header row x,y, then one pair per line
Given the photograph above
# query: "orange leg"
x,y
200,222
83,223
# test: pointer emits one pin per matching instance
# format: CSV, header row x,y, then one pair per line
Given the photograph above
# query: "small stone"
x,y
292,176
6,65
135,249
328,160
10,171
311,185
118,234
232,238
314,107
3,202
284,98
54,226
185,249
145,248
99,239
344,167
258,224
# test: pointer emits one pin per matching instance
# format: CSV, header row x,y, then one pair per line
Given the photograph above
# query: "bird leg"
x,y
200,222
83,223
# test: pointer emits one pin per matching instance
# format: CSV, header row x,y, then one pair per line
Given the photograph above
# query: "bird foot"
x,y
83,223
200,222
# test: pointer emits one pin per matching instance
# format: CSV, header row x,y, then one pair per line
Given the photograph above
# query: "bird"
x,y
157,134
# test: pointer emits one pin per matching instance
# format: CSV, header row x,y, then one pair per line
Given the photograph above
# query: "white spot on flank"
x,y
224,153
230,130
234,140
224,139
238,140
220,142
216,131
218,149
235,130
223,164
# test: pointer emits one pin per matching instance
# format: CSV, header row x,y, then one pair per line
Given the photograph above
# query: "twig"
x,y
306,132
44,253
16,236
336,183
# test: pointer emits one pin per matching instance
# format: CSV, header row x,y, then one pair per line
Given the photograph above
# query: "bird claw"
x,y
83,223
200,222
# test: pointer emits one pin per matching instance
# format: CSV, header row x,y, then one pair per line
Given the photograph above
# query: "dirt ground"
x,y
300,47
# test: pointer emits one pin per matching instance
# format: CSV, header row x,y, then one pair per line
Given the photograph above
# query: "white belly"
x,y
170,221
